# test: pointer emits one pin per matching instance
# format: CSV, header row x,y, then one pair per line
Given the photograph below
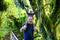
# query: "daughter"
x,y
30,12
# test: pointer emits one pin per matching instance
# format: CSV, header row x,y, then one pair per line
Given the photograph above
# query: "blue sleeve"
x,y
27,11
33,24
34,12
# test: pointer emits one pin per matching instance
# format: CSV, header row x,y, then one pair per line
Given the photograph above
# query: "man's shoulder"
x,y
27,24
24,24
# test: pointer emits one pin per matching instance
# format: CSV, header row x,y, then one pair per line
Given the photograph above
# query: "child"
x,y
28,29
30,12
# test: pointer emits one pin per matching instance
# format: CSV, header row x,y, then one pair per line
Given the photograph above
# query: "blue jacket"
x,y
28,33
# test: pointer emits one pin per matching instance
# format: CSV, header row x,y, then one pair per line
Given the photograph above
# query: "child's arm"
x,y
26,8
35,11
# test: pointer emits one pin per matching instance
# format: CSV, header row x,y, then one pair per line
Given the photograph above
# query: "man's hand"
x,y
35,29
21,30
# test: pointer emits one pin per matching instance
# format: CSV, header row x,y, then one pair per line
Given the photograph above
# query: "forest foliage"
x,y
46,19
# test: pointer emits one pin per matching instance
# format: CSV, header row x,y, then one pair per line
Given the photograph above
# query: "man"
x,y
28,29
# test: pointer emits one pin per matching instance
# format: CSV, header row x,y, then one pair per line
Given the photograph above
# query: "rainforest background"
x,y
46,19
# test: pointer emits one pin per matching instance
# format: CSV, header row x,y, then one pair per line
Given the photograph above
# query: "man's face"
x,y
30,20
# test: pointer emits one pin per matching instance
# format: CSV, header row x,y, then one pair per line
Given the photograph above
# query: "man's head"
x,y
30,20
